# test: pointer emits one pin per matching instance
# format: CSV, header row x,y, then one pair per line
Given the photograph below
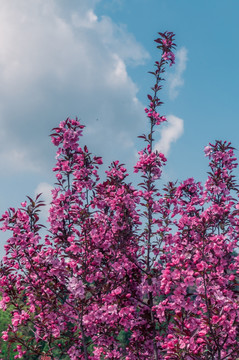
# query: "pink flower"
x,y
5,335
201,266
76,287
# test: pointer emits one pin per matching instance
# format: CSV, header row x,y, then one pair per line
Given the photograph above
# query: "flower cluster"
x,y
152,114
166,43
150,163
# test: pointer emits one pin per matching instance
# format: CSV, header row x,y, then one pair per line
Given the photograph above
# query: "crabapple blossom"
x,y
126,272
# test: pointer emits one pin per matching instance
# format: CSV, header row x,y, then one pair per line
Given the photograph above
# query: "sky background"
x,y
90,58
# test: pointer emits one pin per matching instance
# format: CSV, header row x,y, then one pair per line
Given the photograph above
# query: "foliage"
x,y
126,273
5,318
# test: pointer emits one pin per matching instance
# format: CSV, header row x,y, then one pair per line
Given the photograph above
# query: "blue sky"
x,y
90,59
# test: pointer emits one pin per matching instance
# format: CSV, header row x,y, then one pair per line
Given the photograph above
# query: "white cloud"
x,y
176,79
57,62
13,156
171,131
17,160
89,20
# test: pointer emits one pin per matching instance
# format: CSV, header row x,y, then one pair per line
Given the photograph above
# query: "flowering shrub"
x,y
126,273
